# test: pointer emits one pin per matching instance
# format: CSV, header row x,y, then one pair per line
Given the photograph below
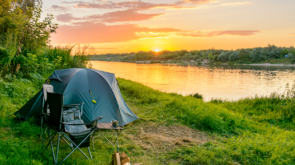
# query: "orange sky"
x,y
119,26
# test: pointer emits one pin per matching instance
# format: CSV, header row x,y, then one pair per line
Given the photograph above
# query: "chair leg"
x,y
93,141
50,142
50,139
77,147
89,153
57,148
41,127
69,139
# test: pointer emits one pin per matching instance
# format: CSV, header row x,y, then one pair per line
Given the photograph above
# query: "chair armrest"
x,y
93,123
72,105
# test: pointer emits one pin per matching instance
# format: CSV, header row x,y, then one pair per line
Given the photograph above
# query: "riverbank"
x,y
173,129
206,63
269,64
270,54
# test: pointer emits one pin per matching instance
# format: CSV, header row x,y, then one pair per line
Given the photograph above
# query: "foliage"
x,y
271,53
257,55
290,55
198,96
22,31
224,56
234,56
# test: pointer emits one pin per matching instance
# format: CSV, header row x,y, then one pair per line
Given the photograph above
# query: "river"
x,y
224,82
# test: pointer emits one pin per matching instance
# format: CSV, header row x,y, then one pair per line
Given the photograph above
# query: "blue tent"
x,y
84,85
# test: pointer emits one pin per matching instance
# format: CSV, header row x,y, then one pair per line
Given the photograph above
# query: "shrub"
x,y
215,57
197,95
257,55
211,57
272,52
290,55
223,56
234,56
4,57
244,54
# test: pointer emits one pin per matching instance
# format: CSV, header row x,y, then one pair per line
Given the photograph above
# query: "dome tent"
x,y
84,85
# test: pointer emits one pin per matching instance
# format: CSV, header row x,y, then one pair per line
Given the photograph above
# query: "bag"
x,y
71,114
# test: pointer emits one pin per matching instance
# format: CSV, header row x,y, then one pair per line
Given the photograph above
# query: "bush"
x,y
4,57
234,56
223,56
290,55
257,55
197,95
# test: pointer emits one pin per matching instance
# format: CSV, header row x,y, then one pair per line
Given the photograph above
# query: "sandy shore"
x,y
268,64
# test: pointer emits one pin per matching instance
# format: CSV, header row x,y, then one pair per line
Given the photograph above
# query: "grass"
x,y
173,129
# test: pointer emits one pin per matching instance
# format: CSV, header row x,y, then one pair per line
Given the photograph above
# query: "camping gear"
x,y
120,158
98,90
115,123
116,159
107,126
68,125
46,88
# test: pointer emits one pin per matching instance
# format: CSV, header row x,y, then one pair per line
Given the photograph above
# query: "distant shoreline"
x,y
196,64
269,64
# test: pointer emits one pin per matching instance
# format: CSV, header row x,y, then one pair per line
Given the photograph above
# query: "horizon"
x,y
121,26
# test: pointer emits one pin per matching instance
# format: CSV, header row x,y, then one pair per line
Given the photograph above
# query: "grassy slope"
x,y
229,135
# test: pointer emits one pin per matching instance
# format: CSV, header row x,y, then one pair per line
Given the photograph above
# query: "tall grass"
x,y
242,140
277,109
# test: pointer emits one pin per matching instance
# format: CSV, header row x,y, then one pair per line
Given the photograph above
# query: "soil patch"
x,y
161,138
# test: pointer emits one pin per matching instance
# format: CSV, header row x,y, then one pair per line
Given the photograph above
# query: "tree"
x,y
21,30
257,55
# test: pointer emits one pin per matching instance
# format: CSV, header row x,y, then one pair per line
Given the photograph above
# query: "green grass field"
x,y
173,129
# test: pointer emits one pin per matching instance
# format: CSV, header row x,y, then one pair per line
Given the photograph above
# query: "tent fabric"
x,y
75,84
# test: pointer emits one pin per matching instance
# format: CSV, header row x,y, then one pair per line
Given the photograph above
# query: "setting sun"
x,y
157,50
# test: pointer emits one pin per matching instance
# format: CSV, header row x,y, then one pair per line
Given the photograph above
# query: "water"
x,y
227,83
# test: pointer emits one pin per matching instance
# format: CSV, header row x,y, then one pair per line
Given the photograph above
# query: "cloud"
x,y
122,16
237,3
197,33
60,8
103,48
66,17
139,5
89,32
131,12
111,17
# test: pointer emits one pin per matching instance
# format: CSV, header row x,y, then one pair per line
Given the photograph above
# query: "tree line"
x,y
259,54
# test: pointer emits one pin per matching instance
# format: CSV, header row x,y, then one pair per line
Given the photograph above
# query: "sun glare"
x,y
157,50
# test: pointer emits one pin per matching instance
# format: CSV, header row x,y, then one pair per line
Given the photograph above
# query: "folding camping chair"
x,y
45,110
67,122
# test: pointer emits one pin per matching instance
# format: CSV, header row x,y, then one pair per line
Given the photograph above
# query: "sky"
x,y
122,26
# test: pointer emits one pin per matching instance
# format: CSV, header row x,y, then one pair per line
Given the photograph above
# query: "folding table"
x,y
107,126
